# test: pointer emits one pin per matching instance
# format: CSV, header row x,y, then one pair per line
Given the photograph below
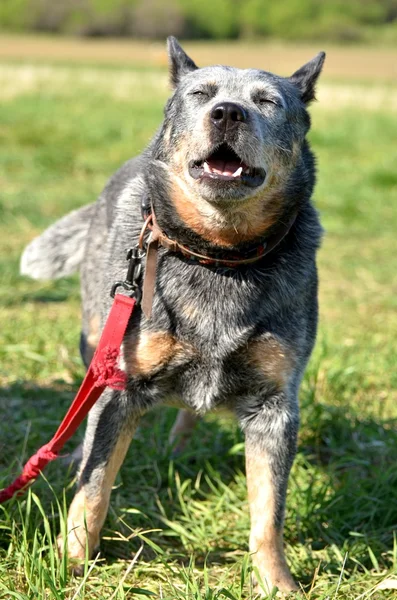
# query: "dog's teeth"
x,y
206,167
238,172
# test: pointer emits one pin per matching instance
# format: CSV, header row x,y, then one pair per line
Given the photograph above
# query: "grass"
x,y
178,528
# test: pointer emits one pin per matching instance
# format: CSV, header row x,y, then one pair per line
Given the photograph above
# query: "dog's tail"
x,y
59,251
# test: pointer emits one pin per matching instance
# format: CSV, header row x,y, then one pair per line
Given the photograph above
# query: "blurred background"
x,y
337,20
82,89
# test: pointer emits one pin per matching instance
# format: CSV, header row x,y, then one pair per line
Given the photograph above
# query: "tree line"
x,y
338,20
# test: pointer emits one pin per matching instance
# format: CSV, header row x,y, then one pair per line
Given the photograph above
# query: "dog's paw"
x,y
76,552
76,568
76,559
282,586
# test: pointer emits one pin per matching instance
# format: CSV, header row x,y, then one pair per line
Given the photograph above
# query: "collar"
x,y
159,238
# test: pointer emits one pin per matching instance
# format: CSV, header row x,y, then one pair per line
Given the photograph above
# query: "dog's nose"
x,y
227,115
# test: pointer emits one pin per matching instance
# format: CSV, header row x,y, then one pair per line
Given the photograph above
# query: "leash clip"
x,y
131,283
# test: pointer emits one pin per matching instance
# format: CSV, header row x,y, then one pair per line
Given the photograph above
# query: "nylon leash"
x,y
103,372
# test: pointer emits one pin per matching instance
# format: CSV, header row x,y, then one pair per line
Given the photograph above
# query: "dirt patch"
x,y
357,62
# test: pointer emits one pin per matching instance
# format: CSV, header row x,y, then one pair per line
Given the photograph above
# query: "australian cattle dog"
x,y
227,181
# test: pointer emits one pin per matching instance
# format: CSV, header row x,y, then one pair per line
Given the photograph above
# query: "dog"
x,y
229,176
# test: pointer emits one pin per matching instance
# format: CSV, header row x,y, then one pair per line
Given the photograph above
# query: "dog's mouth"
x,y
224,164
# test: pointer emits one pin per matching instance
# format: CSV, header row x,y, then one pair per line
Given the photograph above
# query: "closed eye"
x,y
265,100
205,92
263,97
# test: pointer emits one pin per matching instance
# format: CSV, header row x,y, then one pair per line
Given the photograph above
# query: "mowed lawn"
x,y
178,528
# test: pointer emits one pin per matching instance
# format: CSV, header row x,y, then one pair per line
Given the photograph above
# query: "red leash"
x,y
102,372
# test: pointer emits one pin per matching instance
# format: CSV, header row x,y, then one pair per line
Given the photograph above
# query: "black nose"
x,y
227,115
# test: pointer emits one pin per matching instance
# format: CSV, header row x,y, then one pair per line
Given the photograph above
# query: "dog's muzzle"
x,y
224,165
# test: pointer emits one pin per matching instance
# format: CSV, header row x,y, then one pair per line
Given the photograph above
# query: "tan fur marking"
x,y
272,359
189,310
266,541
87,515
242,224
242,221
167,136
149,352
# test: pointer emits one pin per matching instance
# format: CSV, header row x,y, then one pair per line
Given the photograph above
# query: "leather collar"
x,y
159,238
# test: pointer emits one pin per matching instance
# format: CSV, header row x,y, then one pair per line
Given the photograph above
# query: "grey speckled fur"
x,y
272,303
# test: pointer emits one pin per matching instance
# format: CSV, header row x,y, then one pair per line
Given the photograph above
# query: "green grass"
x,y
188,518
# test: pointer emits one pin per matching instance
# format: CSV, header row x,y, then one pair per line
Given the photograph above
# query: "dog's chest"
x,y
195,337
192,368
212,311
198,343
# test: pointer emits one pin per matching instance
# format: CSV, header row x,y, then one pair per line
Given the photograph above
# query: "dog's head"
x,y
230,132
233,140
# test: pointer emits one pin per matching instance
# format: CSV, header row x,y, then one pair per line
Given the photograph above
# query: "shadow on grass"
x,y
342,491
346,479
54,291
45,292
50,295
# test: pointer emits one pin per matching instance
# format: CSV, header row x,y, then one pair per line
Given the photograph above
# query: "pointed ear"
x,y
180,63
306,77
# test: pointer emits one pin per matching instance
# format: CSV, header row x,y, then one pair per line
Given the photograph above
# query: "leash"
x,y
103,370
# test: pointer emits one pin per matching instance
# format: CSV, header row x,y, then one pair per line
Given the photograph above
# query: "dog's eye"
x,y
262,100
200,93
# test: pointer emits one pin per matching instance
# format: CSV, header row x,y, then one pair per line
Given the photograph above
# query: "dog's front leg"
x,y
271,432
111,425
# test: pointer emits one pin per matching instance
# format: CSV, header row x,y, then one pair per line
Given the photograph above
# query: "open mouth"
x,y
225,165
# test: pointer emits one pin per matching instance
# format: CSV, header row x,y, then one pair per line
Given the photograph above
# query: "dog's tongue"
x,y
222,167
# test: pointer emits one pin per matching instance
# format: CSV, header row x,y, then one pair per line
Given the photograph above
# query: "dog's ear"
x,y
306,77
180,63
